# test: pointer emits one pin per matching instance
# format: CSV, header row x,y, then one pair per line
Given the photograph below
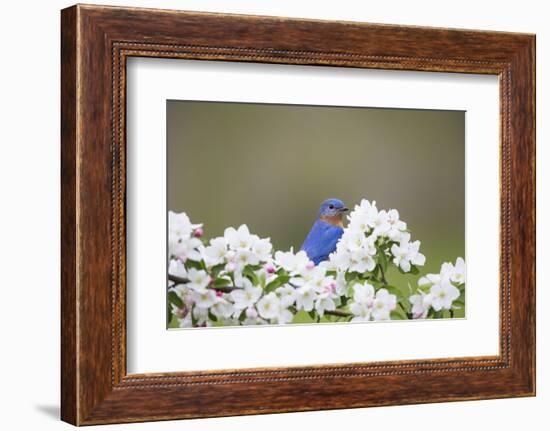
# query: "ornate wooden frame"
x,y
95,43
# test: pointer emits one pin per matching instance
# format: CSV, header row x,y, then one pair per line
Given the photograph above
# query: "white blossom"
x,y
176,268
287,295
442,295
291,262
325,301
305,297
314,276
448,272
181,242
420,305
252,317
384,303
198,279
262,249
222,308
397,227
407,253
363,293
341,260
269,306
361,311
371,305
179,226
246,297
201,315
458,275
239,239
186,248
362,261
205,299
353,240
284,316
216,252
363,216
381,224
245,257
363,299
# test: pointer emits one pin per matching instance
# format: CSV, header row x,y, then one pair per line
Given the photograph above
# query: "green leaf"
x,y
394,291
277,282
383,260
174,322
459,303
249,273
262,279
414,270
216,269
397,315
377,284
350,276
168,314
344,300
312,314
212,317
175,299
193,264
221,282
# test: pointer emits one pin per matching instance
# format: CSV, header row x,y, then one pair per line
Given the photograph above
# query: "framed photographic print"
x,y
289,207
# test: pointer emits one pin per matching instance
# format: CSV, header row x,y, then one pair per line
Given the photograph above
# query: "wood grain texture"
x,y
69,397
96,41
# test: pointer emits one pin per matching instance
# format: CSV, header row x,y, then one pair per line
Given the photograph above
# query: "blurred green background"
x,y
270,166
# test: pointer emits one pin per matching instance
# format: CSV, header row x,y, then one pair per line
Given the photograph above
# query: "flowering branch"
x,y
236,279
338,313
182,280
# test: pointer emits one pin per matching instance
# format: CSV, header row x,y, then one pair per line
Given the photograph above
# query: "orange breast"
x,y
335,220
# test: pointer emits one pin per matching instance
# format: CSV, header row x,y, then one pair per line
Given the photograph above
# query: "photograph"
x,y
304,214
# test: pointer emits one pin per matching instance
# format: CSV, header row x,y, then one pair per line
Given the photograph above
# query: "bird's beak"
x,y
343,210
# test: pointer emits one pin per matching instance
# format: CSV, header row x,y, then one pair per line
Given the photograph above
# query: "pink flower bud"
x,y
270,269
219,293
333,286
198,232
310,265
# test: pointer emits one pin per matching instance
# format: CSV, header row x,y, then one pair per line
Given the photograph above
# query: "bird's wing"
x,y
321,240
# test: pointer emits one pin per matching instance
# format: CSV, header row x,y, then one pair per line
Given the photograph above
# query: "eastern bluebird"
x,y
326,231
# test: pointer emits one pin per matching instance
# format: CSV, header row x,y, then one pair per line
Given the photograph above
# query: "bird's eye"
x,y
331,206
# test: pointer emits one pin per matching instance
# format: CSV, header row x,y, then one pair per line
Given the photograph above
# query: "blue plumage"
x,y
326,231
